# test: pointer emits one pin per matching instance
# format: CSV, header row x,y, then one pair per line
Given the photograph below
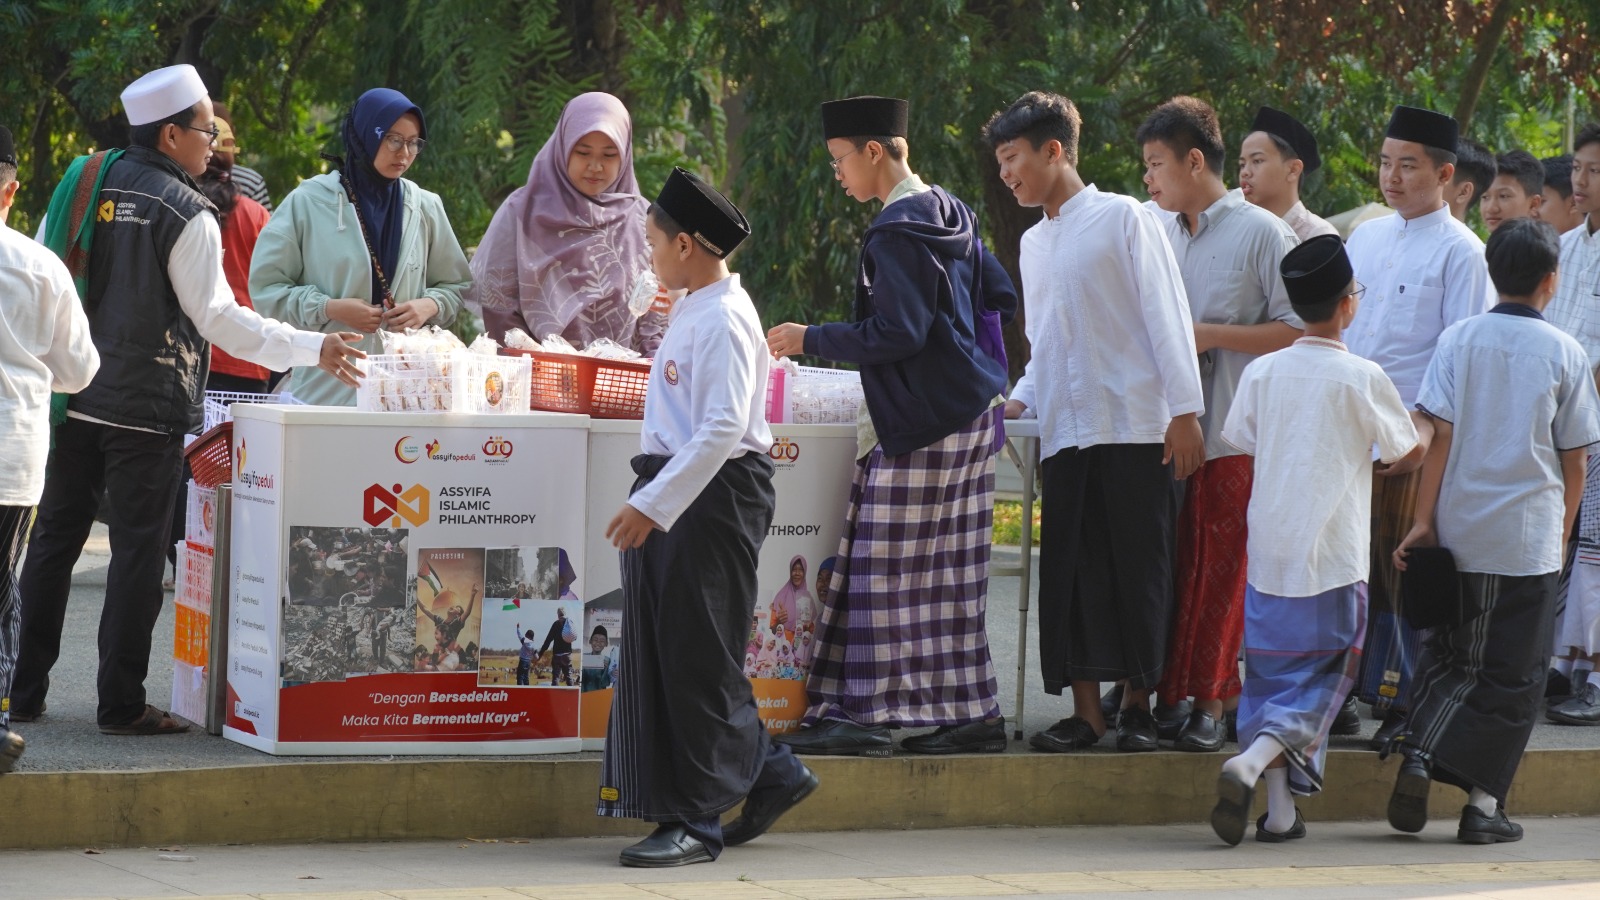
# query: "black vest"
x,y
153,361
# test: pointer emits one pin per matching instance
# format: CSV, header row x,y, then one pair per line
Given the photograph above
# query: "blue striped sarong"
x,y
1301,655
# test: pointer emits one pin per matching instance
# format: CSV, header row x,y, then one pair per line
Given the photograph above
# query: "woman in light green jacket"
x,y
361,248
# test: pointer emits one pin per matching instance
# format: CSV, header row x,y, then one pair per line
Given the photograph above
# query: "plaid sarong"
x,y
901,640
1300,658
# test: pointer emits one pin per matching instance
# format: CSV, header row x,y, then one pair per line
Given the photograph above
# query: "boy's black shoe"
x,y
668,846
973,737
1201,734
1169,719
1110,702
1136,730
1232,812
1394,725
1295,832
1408,805
11,746
1065,736
1582,708
837,737
1348,721
760,813
1477,828
1557,688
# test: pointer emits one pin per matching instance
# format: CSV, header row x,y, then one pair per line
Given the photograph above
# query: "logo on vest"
x,y
381,504
107,211
610,794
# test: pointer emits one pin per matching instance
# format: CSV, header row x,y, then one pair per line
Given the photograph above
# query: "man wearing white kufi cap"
x,y
145,252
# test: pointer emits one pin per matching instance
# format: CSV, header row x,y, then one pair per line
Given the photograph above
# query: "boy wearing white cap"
x,y
144,248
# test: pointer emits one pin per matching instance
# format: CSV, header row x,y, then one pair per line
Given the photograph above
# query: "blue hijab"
x,y
379,198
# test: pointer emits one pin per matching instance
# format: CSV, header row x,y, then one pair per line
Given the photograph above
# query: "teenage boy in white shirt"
x,y
1116,386
1309,415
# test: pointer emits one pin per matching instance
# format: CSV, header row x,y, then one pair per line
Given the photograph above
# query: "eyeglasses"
x,y
398,144
213,131
1359,291
835,162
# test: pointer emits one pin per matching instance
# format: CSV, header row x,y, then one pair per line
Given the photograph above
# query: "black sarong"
x,y
685,740
1480,685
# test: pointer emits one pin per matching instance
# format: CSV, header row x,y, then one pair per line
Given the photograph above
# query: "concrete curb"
x,y
373,801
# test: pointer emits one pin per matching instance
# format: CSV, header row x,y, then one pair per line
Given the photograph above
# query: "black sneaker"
x,y
973,737
836,737
1582,708
1348,721
1477,828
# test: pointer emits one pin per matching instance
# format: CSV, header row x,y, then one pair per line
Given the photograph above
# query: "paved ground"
x,y
66,739
1349,860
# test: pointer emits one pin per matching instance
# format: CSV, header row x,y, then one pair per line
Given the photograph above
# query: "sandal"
x,y
152,721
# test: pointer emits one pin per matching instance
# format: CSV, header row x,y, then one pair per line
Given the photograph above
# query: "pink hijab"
x,y
556,261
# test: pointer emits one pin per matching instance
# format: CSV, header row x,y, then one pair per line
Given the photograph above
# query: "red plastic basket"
x,y
602,388
211,456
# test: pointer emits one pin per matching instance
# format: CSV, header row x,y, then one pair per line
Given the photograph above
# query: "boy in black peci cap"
x,y
685,743
901,641
1310,415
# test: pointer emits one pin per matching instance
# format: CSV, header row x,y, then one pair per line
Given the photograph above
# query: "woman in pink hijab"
x,y
791,599
566,250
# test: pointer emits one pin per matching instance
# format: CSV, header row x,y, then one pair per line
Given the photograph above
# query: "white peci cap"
x,y
161,93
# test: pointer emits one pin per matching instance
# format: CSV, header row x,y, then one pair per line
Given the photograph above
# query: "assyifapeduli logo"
x,y
391,505
243,476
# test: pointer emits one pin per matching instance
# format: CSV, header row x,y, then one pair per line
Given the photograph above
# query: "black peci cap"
x,y
1316,270
710,218
863,116
1286,127
1423,126
8,149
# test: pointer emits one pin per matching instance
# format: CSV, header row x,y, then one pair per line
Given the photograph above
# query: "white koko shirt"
x,y
1108,321
706,401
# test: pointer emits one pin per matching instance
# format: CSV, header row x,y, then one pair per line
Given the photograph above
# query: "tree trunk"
x,y
1494,31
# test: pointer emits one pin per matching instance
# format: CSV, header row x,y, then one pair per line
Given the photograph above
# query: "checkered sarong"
x,y
901,640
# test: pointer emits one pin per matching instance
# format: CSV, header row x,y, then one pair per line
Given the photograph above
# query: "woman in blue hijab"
x,y
361,247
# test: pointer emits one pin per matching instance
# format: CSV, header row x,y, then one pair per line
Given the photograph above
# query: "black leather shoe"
x,y
18,715
1136,730
1232,812
1394,725
11,746
670,845
760,813
1295,832
836,737
1557,688
1065,736
1201,734
1169,719
1477,828
1408,804
1110,702
1582,708
973,737
1348,721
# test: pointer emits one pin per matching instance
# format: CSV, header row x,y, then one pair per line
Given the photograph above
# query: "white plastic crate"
x,y
813,396
492,384
201,517
218,405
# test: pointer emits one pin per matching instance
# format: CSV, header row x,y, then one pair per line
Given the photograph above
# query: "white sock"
x,y
1563,665
1280,801
1250,763
1594,678
1485,803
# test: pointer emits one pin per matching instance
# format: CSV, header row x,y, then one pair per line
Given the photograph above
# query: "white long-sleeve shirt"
x,y
1575,309
706,398
1108,320
44,346
195,269
1422,275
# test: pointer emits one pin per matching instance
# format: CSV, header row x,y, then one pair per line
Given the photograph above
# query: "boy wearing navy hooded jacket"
x,y
906,606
